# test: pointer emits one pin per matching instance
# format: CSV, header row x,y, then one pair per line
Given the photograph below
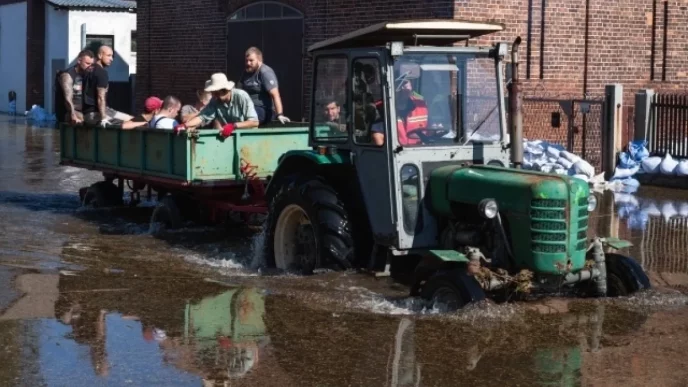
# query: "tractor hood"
x,y
513,189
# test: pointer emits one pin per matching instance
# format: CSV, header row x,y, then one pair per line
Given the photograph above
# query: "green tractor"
x,y
411,165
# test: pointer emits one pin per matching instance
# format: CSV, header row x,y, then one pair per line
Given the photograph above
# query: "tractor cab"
x,y
402,99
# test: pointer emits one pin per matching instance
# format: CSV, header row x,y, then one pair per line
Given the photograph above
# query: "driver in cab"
x,y
412,114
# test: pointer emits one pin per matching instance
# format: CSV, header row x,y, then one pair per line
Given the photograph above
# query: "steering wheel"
x,y
436,136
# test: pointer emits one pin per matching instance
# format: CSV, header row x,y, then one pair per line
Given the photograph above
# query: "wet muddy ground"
x,y
91,297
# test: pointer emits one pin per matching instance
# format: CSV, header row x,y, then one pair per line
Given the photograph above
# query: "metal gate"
x,y
575,124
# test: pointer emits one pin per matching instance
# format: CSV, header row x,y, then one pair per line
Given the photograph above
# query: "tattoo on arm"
x,y
67,83
101,102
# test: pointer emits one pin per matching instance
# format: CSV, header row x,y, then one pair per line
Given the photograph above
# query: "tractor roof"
x,y
428,32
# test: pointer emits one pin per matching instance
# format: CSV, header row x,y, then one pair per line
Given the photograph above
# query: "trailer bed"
x,y
159,155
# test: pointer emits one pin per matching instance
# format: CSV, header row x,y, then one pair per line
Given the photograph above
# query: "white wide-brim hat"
x,y
218,81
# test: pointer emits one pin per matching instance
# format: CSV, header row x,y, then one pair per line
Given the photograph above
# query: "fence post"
x,y
613,128
643,106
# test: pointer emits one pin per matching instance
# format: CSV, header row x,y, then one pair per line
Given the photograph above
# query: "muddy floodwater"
x,y
92,297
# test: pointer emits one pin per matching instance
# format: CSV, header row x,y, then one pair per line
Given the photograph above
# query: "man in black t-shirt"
x,y
95,94
69,99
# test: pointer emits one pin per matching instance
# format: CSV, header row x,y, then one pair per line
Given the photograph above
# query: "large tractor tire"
x,y
308,228
450,290
102,194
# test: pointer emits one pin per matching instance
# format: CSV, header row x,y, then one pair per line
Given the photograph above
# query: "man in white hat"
x,y
232,108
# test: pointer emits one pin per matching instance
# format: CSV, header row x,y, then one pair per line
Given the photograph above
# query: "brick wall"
x,y
181,43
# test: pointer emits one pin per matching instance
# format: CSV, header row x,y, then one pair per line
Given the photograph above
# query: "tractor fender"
x,y
302,162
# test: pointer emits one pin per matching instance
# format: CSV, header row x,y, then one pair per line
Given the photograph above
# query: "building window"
x,y
265,10
133,41
93,42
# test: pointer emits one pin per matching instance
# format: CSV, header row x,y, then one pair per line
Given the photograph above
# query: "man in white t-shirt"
x,y
166,118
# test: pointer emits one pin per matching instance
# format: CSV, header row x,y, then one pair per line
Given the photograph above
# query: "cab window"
x,y
329,110
368,104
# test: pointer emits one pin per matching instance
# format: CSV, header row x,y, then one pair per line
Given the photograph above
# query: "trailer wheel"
x,y
624,276
102,194
167,214
450,290
308,228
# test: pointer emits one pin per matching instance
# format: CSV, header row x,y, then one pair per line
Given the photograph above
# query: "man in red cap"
x,y
152,107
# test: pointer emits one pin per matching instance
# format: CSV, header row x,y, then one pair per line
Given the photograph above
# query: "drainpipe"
x,y
515,109
83,35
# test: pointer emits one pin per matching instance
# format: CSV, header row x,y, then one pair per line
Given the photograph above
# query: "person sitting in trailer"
x,y
151,108
166,118
231,108
191,111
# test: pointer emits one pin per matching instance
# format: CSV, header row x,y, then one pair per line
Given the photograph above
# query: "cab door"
x,y
370,104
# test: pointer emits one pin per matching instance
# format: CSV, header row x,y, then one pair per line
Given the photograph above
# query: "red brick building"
x,y
570,47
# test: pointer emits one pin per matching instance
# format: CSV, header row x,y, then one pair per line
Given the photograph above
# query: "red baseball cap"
x,y
152,103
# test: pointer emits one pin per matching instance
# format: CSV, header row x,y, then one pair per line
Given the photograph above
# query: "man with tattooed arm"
x,y
69,103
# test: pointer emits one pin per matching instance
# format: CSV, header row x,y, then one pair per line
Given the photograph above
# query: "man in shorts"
x,y
95,94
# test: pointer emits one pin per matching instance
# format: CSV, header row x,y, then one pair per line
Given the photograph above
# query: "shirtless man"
x,y
95,94
71,82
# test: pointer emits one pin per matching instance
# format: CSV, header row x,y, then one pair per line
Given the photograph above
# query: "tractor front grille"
x,y
548,225
582,236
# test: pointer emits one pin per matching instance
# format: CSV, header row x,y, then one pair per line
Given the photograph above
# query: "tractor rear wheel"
x,y
167,214
308,228
450,290
102,194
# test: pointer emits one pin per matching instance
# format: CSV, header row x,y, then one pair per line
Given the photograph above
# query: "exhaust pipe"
x,y
515,109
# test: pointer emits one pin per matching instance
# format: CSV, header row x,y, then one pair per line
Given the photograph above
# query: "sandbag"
x,y
622,173
637,221
554,150
584,168
651,164
683,210
668,165
682,168
626,160
638,150
564,163
650,207
569,156
585,178
630,182
552,168
668,210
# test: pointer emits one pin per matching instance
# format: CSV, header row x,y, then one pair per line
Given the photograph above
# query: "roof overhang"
x,y
425,32
94,5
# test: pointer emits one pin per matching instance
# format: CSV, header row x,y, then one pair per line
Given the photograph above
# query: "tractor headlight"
x,y
488,208
592,203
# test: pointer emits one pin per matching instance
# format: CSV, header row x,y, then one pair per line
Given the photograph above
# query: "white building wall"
x,y
56,50
119,24
13,55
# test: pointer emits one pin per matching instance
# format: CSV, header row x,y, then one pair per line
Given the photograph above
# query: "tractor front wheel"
x,y
308,228
450,290
624,276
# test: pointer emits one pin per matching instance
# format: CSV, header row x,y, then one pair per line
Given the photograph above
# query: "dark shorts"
x,y
264,116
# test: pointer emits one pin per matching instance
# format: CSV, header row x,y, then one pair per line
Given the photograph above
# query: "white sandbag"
x,y
668,210
585,178
651,164
584,168
650,207
622,173
683,210
569,156
630,182
552,160
552,168
554,151
626,200
668,165
534,148
564,163
682,168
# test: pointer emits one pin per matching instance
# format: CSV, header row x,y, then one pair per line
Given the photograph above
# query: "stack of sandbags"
x,y
553,158
638,160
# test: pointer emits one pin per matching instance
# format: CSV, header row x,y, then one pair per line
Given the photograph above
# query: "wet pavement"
x,y
91,297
